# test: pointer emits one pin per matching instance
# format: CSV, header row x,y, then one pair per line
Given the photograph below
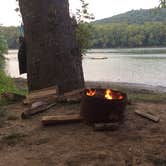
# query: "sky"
x,y
100,8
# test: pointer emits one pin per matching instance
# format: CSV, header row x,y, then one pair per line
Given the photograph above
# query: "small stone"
x,y
138,161
130,149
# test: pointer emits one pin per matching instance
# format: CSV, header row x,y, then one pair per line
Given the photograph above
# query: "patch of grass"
x,y
12,117
4,102
2,112
6,115
3,115
42,141
136,94
156,161
13,138
142,95
7,84
148,97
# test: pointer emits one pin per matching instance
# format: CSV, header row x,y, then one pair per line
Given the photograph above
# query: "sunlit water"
x,y
12,68
142,66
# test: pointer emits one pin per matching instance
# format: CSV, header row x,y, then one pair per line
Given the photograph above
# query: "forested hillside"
x,y
136,28
137,16
129,35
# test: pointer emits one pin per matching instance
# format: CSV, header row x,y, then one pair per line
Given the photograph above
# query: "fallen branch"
x,y
61,119
149,116
36,110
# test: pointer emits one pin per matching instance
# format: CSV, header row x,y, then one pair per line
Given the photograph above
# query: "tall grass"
x,y
6,83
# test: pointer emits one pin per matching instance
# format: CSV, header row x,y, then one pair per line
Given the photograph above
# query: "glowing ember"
x,y
108,94
90,92
120,97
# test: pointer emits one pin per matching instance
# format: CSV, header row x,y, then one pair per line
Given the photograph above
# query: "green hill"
x,y
137,17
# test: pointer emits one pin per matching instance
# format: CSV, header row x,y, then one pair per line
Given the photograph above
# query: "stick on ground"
x,y
149,116
61,119
106,126
30,112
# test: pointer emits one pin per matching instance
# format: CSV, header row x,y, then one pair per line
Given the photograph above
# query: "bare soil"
x,y
137,142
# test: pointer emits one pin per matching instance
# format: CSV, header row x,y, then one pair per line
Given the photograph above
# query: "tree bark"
x,y
53,54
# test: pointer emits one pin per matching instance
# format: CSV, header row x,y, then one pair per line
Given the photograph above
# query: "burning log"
x,y
148,116
61,119
103,105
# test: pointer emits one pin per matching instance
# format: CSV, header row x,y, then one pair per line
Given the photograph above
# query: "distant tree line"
x,y
3,49
11,35
128,35
107,35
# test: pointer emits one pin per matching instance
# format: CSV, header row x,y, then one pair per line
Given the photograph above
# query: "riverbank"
x,y
136,92
137,142
22,83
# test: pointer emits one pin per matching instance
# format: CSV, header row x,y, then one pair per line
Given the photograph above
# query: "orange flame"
x,y
90,92
108,94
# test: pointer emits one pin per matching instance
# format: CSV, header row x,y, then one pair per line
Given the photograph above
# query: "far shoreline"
x,y
108,84
126,85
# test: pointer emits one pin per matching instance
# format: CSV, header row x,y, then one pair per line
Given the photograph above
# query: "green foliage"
x,y
82,15
6,83
128,35
162,4
3,45
13,138
11,35
137,17
3,49
83,28
84,33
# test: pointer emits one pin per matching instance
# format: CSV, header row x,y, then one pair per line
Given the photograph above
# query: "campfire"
x,y
103,105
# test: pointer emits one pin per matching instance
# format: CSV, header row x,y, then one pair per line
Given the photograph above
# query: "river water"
x,y
140,66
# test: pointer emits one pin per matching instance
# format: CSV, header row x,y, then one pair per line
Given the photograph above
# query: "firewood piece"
x,y
37,104
71,100
42,93
106,126
74,92
33,111
61,119
71,97
147,115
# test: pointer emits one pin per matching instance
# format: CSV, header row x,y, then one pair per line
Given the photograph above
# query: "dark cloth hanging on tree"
x,y
22,56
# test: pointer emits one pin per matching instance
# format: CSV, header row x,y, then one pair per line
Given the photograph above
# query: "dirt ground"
x,y
137,142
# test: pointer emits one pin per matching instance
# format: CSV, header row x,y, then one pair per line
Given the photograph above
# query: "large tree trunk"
x,y
53,54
